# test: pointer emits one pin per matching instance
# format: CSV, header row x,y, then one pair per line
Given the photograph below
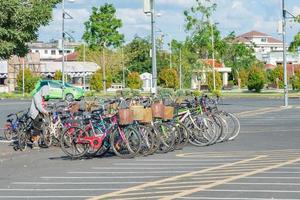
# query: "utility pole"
x,y
63,49
84,53
180,68
153,38
103,69
286,103
23,76
213,55
123,68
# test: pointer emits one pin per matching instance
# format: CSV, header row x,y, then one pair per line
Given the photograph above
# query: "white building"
x,y
267,49
261,42
52,50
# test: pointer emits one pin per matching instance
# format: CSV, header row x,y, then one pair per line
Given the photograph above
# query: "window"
x,y
36,51
263,39
54,85
60,52
2,80
46,51
68,51
53,52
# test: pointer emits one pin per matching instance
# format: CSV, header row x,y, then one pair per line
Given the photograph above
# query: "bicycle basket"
x,y
138,112
158,110
126,116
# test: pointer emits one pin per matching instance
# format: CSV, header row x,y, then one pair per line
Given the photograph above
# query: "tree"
x,y
275,74
242,74
169,78
137,54
19,24
102,27
57,75
96,82
296,80
295,44
256,79
210,81
29,80
134,81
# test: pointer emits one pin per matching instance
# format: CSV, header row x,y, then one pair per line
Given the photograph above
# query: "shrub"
x,y
296,81
276,73
256,79
96,81
216,93
134,81
242,74
29,80
197,93
165,92
210,81
169,78
58,75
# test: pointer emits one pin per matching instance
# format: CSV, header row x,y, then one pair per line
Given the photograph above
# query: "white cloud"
x,y
296,10
185,3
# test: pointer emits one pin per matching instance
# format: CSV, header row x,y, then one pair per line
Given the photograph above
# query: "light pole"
x,y
180,68
284,17
153,38
213,55
64,14
84,81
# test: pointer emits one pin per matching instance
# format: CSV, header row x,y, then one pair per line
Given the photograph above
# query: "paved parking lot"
x,y
263,163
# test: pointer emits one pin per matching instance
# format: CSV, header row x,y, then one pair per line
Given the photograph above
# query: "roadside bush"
x,y
165,91
242,74
57,75
96,81
296,81
29,80
169,78
256,79
210,81
134,81
276,73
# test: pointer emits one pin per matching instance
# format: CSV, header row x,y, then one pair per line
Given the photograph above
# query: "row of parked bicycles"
x,y
127,127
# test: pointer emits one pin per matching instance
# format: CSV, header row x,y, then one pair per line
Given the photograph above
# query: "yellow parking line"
x,y
154,183
204,187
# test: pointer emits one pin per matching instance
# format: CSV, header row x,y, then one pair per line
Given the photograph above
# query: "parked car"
x,y
56,90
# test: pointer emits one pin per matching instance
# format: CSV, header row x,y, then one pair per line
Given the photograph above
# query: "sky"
x,y
240,16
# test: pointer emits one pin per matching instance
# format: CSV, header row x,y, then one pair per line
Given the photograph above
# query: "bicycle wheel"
x,y
166,136
72,142
8,134
183,138
148,140
156,139
234,125
202,130
22,140
126,142
46,137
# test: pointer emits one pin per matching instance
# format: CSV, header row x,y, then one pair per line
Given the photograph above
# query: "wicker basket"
x,y
126,116
168,113
138,112
158,110
148,117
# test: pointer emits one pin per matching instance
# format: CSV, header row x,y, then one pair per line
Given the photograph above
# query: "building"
x,y
199,76
268,49
261,42
52,50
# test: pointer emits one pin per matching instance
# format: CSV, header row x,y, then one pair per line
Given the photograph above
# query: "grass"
x,y
15,95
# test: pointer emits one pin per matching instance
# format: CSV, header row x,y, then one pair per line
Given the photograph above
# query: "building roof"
x,y
210,62
252,34
70,57
246,37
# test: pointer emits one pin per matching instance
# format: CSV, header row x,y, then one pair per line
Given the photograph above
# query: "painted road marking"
x,y
261,111
99,177
264,183
77,183
256,191
231,198
206,187
171,179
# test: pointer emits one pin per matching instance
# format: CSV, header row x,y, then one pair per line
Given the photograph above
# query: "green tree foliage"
x,y
275,74
134,81
102,27
58,75
19,24
169,78
296,80
256,79
96,81
29,80
242,74
295,44
210,81
137,55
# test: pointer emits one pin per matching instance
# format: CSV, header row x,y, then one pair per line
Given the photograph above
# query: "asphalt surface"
x,y
262,163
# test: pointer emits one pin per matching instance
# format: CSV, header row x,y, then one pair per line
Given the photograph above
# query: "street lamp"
x,y
149,7
65,15
284,17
